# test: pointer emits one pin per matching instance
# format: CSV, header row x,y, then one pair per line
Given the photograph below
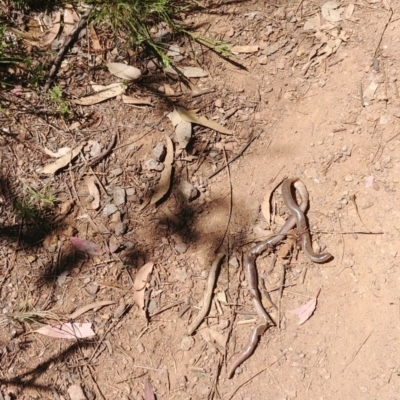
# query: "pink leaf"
x,y
86,246
139,285
67,331
305,311
148,391
369,181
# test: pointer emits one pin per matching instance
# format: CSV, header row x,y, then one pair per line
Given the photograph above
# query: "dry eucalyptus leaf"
x,y
183,133
349,11
52,33
67,331
191,116
387,5
331,11
94,192
95,39
139,285
138,102
183,129
189,72
245,49
168,90
266,208
59,153
86,246
102,93
148,391
61,162
164,183
305,311
124,71
70,19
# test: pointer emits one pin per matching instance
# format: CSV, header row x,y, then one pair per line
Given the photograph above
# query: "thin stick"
x,y
240,152
67,44
358,350
230,202
212,277
383,31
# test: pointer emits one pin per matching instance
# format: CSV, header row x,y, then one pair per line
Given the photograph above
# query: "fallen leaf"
x,y
387,5
221,296
103,93
139,102
183,129
213,336
331,11
95,39
60,152
244,49
75,392
266,208
61,162
168,90
369,181
52,33
94,192
189,72
88,307
349,11
124,71
86,246
70,19
305,311
162,187
25,35
191,116
139,285
148,391
67,330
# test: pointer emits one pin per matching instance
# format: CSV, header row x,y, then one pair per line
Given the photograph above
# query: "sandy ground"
x,y
335,127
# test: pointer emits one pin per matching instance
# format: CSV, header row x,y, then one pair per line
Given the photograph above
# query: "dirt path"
x,y
334,126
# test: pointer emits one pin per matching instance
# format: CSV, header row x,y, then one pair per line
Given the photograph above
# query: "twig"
x,y
383,31
362,95
169,306
240,152
230,202
356,354
343,248
67,44
106,152
353,200
212,277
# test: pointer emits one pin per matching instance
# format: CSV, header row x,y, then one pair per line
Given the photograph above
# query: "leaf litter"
x,y
139,285
94,192
86,246
67,331
123,71
305,311
61,162
163,185
102,93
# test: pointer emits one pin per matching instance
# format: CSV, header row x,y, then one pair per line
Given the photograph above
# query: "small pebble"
x,y
120,228
159,152
348,178
119,196
153,165
110,209
187,343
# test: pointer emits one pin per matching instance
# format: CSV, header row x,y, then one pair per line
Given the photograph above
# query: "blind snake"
x,y
297,217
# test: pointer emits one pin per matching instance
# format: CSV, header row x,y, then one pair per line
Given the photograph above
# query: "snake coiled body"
x,y
297,218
